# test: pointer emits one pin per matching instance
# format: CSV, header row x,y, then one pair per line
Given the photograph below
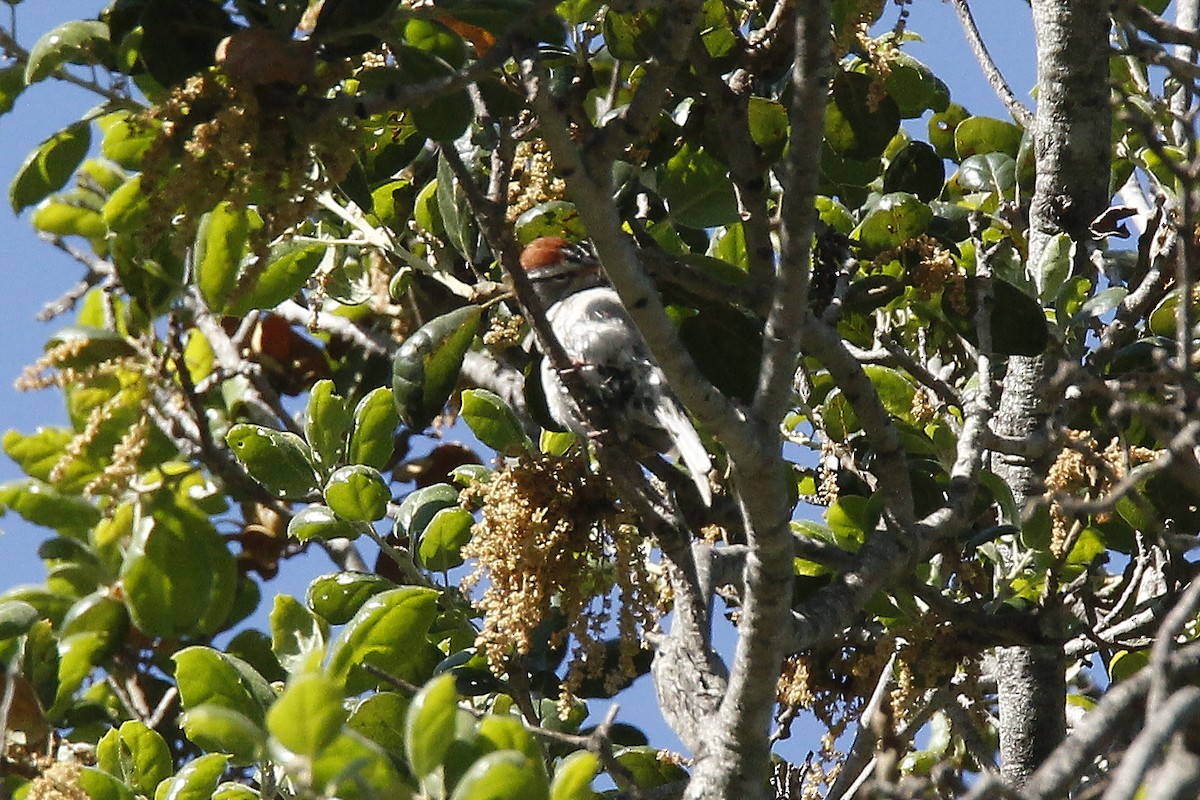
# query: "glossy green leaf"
x,y
44,505
179,577
502,775
279,460
988,172
49,166
1054,266
297,636
290,264
232,790
196,780
429,724
224,730
895,219
911,84
425,369
351,762
505,732
380,718
358,493
373,437
338,597
209,677
318,521
221,242
552,218
138,755
574,775
327,423
388,631
858,123
99,785
419,508
443,539
496,425
80,41
978,135
1162,320
697,190
308,715
454,210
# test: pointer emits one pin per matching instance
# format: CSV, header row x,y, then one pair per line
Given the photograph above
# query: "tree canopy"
x,y
944,364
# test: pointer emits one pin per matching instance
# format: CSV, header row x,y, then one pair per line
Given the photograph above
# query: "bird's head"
x,y
558,268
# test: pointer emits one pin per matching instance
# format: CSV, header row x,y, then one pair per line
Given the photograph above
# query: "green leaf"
x,y
48,167
505,732
12,83
942,126
126,139
380,718
99,785
297,636
1053,267
179,577
196,780
916,169
989,172
358,493
326,423
895,219
648,769
140,756
319,522
552,218
79,41
851,519
574,775
858,123
289,266
911,84
429,724
279,460
420,507
490,418
220,247
1127,663
351,764
768,124
452,206
975,135
127,209
308,715
443,539
373,438
209,677
224,730
697,190
16,618
1018,324
338,597
388,631
232,790
425,369
42,504
60,218
502,775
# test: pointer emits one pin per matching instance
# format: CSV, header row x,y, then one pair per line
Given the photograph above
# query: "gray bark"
x,y
1071,143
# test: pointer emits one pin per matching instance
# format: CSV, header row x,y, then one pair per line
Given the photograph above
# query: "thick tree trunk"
x,y
1072,142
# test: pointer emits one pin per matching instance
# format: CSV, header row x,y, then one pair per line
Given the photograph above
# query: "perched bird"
x,y
610,355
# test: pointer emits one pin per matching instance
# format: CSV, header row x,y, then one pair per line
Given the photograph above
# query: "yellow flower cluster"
x,y
552,539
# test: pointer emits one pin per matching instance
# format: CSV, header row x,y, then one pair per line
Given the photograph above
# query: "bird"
x,y
610,354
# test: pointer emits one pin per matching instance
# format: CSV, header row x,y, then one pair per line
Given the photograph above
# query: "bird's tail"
x,y
674,420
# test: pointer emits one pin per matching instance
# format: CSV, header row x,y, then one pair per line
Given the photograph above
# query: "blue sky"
x,y
35,273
